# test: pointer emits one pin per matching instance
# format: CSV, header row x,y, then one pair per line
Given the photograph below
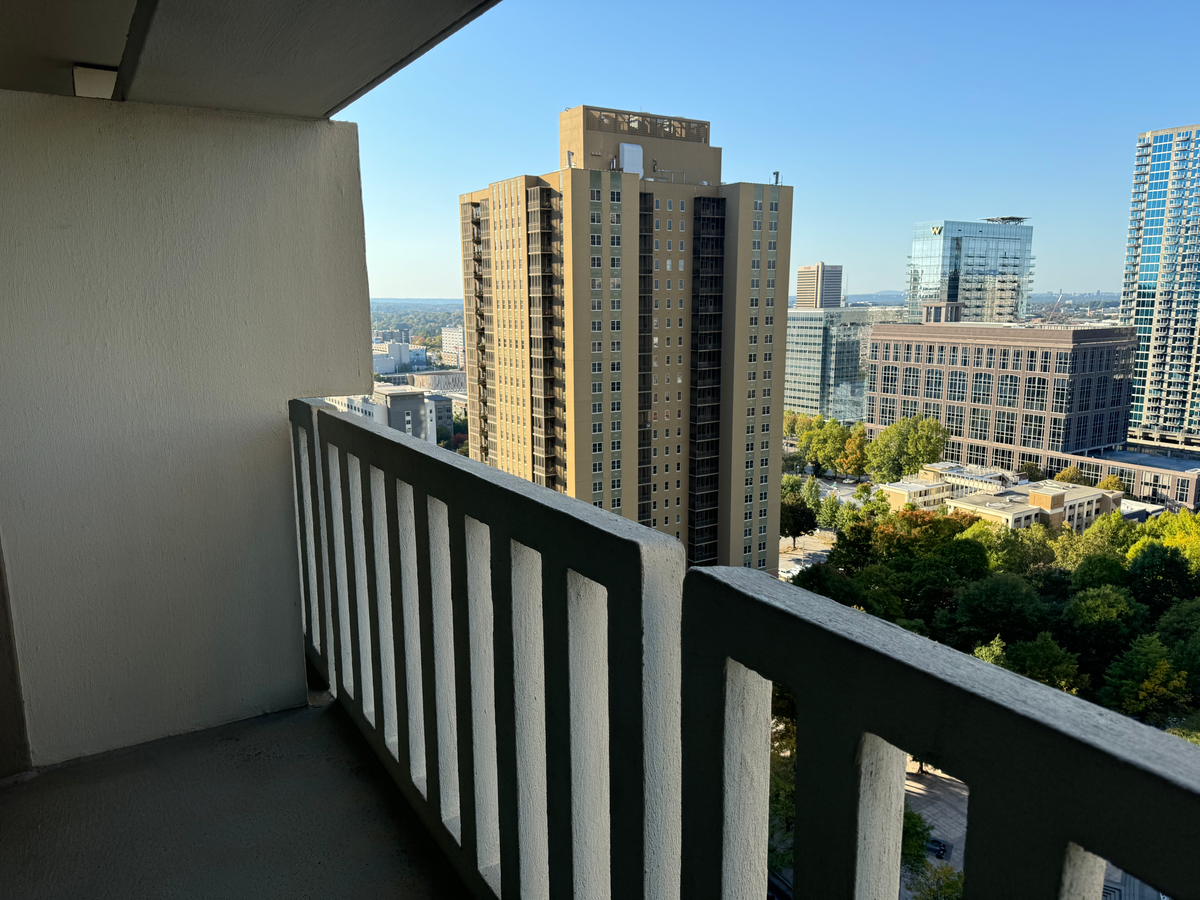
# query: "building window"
x,y
955,420
614,240
614,196
1035,393
890,375
1006,427
1085,394
1008,389
912,381
1033,431
976,454
595,262
596,195
953,451
1002,459
956,387
887,411
595,240
981,389
933,383
979,425
932,411
1183,490
616,502
614,262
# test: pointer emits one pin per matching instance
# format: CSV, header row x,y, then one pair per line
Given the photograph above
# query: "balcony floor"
x,y
292,804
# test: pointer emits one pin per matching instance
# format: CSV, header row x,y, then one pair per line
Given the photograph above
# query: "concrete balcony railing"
x,y
570,717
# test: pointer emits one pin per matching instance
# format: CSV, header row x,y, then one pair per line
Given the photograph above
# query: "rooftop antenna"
x,y
776,177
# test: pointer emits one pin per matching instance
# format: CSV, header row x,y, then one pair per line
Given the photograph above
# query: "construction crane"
x,y
1056,302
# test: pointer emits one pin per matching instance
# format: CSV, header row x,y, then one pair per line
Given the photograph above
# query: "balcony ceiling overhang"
x,y
275,57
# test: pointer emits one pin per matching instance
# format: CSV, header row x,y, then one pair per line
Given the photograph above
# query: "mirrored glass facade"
x,y
1161,289
986,266
826,353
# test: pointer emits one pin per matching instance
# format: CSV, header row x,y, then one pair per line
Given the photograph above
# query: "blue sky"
x,y
879,114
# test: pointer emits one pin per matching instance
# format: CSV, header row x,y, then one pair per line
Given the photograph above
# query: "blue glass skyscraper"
x,y
1161,289
985,266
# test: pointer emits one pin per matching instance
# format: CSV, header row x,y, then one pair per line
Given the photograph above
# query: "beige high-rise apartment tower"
x,y
819,287
621,326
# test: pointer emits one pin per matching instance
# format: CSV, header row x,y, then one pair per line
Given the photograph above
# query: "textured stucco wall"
x,y
198,269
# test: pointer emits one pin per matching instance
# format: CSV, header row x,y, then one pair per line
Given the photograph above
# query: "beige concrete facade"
x,y
620,331
818,287
1056,504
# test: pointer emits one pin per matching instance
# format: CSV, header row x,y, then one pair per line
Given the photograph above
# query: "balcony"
x,y
567,715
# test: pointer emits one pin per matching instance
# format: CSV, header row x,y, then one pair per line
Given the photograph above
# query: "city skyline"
x,y
867,165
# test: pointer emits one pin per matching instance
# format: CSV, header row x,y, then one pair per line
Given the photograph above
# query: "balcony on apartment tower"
x,y
251,646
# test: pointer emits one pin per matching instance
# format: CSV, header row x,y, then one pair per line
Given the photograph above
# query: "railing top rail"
x,y
582,537
1041,763
1111,733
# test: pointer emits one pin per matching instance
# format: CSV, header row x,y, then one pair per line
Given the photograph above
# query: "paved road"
x,y
810,549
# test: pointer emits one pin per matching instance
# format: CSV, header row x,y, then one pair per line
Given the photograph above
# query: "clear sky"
x,y
880,114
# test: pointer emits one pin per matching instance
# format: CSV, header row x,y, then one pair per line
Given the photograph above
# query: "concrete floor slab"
x,y
292,804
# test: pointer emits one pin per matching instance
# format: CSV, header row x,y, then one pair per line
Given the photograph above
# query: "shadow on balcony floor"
x,y
292,804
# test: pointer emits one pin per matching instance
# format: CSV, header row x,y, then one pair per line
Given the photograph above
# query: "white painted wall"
x,y
198,269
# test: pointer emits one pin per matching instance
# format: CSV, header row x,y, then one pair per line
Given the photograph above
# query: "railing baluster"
x,y
347,558
460,649
508,793
557,680
384,649
337,667
482,658
591,800
429,684
414,657
368,615
300,482
529,676
400,637
442,615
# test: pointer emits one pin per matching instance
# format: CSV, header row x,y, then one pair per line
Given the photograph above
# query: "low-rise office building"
x,y
938,483
1056,504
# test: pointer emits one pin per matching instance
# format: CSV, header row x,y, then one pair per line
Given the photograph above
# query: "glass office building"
x,y
986,266
1161,288
826,354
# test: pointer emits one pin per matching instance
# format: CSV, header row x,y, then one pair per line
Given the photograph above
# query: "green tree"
x,y
915,835
827,581
464,449
1098,570
796,520
1001,603
1143,683
1045,661
791,422
1098,623
828,513
790,488
811,493
1111,483
853,549
1109,534
1158,574
925,445
881,589
886,454
991,652
1072,475
941,882
854,457
830,444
